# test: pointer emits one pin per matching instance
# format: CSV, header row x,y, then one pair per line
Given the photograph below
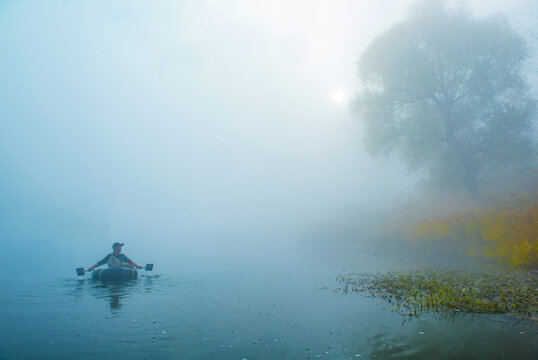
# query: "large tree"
x,y
447,92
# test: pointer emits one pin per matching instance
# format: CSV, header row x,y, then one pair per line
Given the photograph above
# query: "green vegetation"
x,y
507,232
448,291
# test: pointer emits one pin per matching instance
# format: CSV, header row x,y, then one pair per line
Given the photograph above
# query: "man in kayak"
x,y
116,259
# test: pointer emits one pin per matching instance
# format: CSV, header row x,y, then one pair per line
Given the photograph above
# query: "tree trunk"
x,y
463,158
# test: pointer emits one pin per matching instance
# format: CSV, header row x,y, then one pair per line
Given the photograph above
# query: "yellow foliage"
x,y
508,232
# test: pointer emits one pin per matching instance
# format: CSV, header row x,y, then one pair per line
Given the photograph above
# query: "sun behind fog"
x,y
338,96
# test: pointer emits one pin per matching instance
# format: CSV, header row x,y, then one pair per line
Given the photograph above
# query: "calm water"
x,y
260,306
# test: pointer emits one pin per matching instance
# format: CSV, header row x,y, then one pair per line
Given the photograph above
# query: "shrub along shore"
x,y
505,232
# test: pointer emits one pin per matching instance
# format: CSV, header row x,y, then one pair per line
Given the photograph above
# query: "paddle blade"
x,y
149,267
80,271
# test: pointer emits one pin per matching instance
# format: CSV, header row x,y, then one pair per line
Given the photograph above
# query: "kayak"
x,y
115,274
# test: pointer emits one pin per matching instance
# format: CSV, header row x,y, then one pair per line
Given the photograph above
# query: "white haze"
x,y
183,128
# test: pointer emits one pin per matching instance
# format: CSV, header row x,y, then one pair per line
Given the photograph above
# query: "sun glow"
x,y
338,96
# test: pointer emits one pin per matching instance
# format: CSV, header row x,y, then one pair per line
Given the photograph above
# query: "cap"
x,y
116,244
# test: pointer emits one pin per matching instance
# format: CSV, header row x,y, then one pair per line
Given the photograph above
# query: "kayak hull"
x,y
115,274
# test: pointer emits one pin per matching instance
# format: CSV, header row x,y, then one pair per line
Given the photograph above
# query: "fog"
x,y
187,130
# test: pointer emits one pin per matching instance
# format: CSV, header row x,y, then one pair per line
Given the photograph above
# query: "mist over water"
x,y
216,140
175,127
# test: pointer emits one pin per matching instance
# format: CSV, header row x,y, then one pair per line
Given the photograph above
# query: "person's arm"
x,y
133,263
99,263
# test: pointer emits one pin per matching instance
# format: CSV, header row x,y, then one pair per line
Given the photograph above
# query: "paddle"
x,y
148,267
81,271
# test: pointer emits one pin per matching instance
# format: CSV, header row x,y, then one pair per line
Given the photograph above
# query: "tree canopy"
x,y
447,92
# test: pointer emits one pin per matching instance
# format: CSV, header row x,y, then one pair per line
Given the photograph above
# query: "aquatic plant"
x,y
448,291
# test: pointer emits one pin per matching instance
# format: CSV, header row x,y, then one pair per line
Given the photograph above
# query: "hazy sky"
x,y
185,121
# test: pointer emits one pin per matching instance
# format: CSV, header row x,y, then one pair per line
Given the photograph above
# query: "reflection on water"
x,y
248,310
114,293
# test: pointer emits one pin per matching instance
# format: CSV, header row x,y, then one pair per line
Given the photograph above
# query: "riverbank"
x,y
501,231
